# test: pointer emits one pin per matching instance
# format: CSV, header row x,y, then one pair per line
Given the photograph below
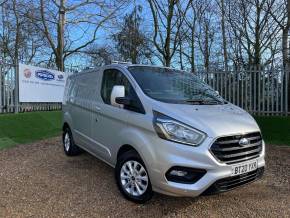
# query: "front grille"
x,y
228,149
229,183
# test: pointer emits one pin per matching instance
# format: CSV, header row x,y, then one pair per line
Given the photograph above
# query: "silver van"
x,y
163,130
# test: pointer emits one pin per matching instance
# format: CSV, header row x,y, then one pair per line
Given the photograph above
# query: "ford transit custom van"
x,y
163,130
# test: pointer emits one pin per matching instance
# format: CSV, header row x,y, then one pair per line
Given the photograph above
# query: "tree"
x,y
221,5
19,40
190,34
132,44
206,30
281,14
101,55
252,24
167,26
69,26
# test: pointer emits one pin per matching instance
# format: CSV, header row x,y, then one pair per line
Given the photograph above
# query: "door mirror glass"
x,y
117,92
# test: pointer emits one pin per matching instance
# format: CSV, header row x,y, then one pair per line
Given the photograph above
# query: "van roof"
x,y
137,65
123,64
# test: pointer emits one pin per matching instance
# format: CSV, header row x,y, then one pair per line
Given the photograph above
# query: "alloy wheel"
x,y
134,178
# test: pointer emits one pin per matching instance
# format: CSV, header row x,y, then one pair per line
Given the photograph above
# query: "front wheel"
x,y
132,178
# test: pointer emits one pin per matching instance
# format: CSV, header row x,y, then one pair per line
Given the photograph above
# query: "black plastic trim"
x,y
192,177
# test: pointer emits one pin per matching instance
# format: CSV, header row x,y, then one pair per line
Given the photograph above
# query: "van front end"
x,y
181,170
185,161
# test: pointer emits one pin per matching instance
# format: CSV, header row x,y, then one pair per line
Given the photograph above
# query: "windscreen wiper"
x,y
204,102
195,101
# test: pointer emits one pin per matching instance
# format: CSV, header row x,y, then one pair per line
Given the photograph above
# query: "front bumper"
x,y
171,154
232,182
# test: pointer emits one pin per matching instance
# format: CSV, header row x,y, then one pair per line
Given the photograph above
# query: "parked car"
x,y
163,130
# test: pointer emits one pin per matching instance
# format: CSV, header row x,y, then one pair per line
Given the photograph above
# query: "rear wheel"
x,y
69,147
132,177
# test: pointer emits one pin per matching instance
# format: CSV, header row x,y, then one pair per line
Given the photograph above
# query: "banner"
x,y
40,85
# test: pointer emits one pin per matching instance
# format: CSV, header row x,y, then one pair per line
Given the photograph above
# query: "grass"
x,y
29,127
275,130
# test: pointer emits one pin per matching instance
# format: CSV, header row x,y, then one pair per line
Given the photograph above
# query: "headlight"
x,y
170,129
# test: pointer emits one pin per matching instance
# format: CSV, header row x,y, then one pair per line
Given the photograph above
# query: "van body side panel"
x,y
106,130
79,106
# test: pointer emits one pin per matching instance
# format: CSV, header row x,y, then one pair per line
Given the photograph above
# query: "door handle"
x,y
98,109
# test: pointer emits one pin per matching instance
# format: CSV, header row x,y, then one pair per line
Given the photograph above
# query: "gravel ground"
x,y
38,180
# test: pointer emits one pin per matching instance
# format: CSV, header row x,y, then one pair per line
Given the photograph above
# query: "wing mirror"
x,y
118,99
117,92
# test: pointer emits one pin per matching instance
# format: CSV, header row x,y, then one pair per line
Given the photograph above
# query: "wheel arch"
x,y
65,125
124,148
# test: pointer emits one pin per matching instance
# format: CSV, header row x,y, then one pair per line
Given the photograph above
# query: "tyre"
x,y
69,147
132,177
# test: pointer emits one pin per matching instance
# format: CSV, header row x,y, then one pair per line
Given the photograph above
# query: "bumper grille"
x,y
229,150
229,183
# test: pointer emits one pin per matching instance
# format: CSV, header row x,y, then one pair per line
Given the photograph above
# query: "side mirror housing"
x,y
117,92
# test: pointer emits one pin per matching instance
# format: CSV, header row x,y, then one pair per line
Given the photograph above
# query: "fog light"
x,y
184,174
178,173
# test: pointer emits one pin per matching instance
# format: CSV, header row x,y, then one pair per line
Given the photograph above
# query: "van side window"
x,y
67,90
114,77
73,92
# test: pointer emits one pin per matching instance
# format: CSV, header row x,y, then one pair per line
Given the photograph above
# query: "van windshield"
x,y
174,86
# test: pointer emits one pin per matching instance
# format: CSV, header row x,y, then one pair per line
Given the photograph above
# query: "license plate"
x,y
244,167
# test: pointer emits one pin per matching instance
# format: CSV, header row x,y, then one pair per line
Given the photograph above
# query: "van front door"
x,y
111,120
